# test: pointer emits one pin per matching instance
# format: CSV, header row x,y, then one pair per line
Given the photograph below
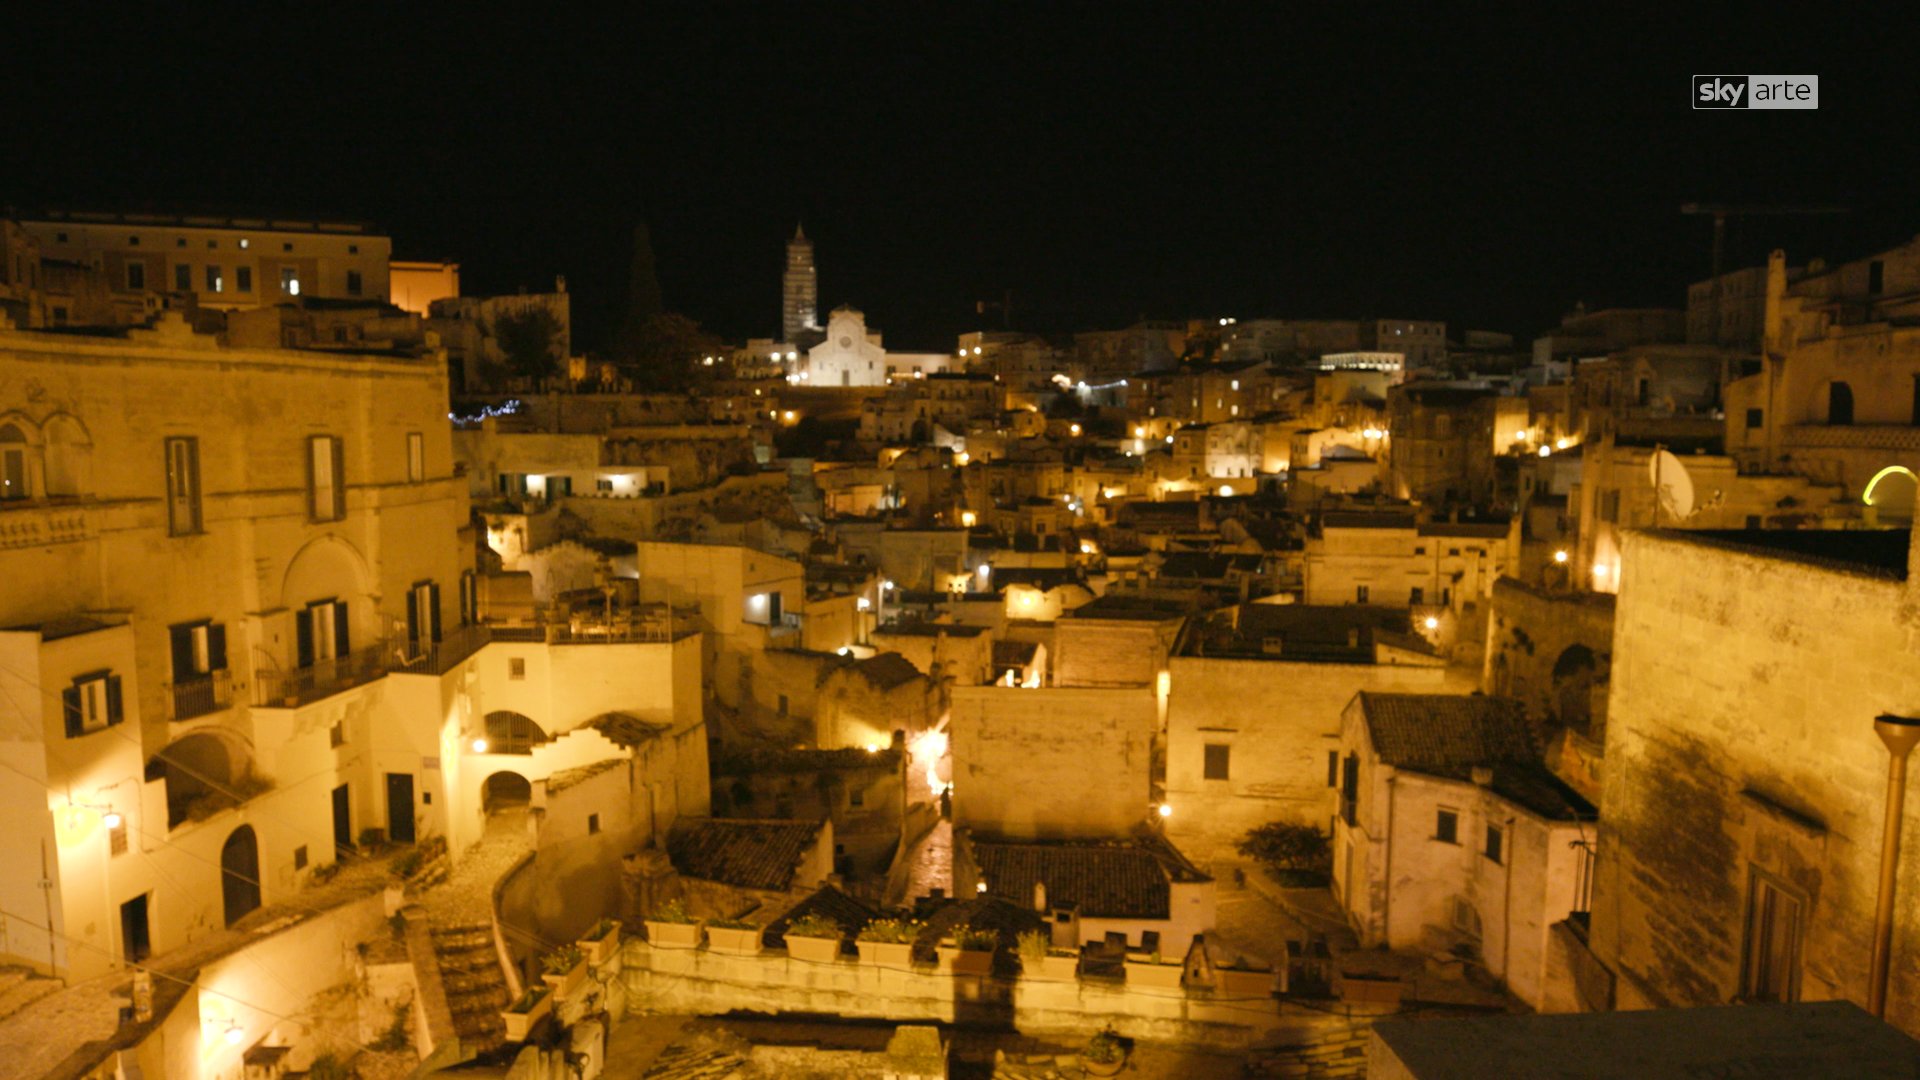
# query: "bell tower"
x,y
800,293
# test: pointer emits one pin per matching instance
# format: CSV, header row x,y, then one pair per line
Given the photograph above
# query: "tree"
x,y
664,352
1298,853
528,342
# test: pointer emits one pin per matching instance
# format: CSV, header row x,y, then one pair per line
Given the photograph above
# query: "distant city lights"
x,y
488,412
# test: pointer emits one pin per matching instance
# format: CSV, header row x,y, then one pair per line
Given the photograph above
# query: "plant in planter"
x,y
1243,980
1104,1054
672,926
527,1011
737,937
970,951
1299,856
601,940
814,938
565,968
1040,960
1153,972
889,942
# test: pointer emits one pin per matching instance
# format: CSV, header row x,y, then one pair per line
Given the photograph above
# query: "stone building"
x,y
1014,747
1744,799
1453,839
1253,712
1442,439
800,293
849,355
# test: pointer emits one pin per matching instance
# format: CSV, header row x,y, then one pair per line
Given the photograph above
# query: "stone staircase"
x,y
20,987
475,986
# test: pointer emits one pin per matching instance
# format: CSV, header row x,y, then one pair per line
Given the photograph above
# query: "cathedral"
x,y
800,294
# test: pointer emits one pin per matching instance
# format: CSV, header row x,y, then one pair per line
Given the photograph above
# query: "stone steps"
x,y
676,1063
21,987
475,986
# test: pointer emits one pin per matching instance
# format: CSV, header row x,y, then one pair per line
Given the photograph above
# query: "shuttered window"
x,y
92,703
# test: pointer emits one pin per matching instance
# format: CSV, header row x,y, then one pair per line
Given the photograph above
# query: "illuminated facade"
x,y
800,292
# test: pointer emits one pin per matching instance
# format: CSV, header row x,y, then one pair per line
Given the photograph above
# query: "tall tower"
x,y
800,293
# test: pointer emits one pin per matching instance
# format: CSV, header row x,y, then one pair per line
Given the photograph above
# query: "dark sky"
x,y
1100,161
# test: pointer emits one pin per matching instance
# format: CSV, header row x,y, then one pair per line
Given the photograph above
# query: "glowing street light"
x,y
479,746
1560,556
1432,623
1546,451
1166,810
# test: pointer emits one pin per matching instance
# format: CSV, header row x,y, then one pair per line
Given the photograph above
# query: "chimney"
x,y
1482,775
1040,896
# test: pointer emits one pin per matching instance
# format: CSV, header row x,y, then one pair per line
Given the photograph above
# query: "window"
x,y
423,615
416,457
353,283
13,462
1350,790
593,824
216,282
856,798
287,246
1755,418
326,466
60,238
1446,826
136,275
1453,553
243,278
1770,967
199,649
1416,595
353,249
1876,277
321,632
1217,756
603,483
516,668
183,485
1495,840
1360,594
117,838
290,281
1333,768
133,241
469,598
300,857
783,704
180,241
182,278
92,703
337,734
59,315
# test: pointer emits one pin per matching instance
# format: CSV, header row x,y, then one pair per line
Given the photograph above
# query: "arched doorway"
x,y
203,773
505,791
240,873
1574,674
512,733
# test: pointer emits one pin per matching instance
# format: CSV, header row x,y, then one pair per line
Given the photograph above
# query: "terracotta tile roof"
x,y
1110,879
625,729
887,670
851,914
742,852
1447,731
1009,654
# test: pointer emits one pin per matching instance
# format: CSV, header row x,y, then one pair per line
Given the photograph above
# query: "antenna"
x,y
1672,486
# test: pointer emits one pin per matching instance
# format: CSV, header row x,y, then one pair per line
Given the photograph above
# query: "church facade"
x,y
851,354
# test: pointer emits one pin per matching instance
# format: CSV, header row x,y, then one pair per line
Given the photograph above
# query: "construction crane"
x,y
1722,211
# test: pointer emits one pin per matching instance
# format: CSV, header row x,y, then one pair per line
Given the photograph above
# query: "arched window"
x,y
69,453
13,462
1839,404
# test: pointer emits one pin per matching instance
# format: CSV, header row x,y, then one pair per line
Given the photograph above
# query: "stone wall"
x,y
1554,652
1012,747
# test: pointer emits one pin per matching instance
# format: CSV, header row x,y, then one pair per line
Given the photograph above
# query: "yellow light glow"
x,y
1139,432
969,518
1560,556
479,746
1166,810
1226,489
1371,433
1432,623
112,820
74,824
1600,570
1087,547
980,888
1074,429
873,748
1562,444
1891,470
1546,452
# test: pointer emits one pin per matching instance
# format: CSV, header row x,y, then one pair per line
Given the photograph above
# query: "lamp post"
x,y
1900,734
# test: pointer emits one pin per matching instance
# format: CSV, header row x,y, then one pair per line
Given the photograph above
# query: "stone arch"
x,y
505,790
510,732
1574,674
69,456
324,566
205,771
1839,403
1891,493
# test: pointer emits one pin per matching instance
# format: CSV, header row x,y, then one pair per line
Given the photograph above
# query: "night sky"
x,y
1103,162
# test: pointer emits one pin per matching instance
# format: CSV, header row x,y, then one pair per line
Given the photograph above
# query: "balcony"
x,y
304,686
641,624
37,523
198,697
449,652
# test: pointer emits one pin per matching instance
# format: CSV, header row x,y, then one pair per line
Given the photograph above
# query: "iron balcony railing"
x,y
440,657
202,695
304,686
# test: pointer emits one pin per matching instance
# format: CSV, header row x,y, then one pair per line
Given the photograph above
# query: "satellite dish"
x,y
1672,485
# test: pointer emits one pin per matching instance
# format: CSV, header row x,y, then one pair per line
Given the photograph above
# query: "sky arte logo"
x,y
1756,91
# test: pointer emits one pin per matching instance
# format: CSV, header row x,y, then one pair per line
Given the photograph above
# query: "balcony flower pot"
x,y
886,954
1241,983
814,950
522,1015
1152,974
1104,1055
955,960
734,940
673,935
601,942
1057,967
1361,987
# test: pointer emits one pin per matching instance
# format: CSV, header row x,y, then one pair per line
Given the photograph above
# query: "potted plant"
x,y
1040,960
1104,1054
735,937
815,938
564,968
672,926
1153,973
601,941
1366,987
968,952
527,1011
889,942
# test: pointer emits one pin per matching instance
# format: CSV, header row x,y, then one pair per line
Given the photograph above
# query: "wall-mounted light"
x,y
479,746
1560,556
1166,810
